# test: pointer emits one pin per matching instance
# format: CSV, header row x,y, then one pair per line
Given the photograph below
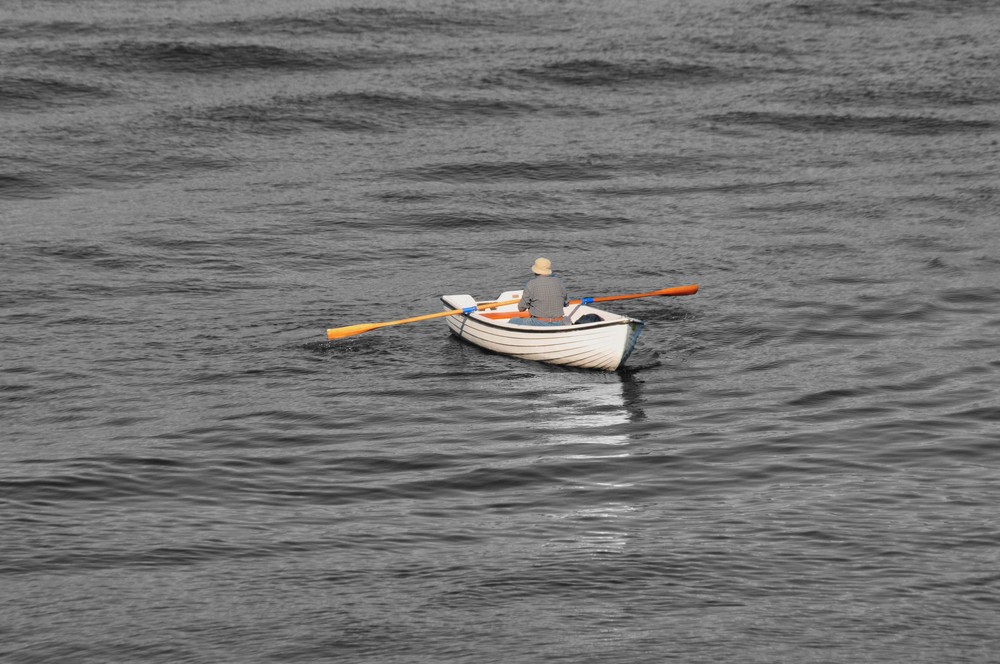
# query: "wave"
x,y
367,20
597,72
36,94
888,124
726,188
344,111
345,20
191,57
567,221
24,186
873,10
511,170
118,167
964,90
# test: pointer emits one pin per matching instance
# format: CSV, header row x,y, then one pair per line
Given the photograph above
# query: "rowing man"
x,y
544,297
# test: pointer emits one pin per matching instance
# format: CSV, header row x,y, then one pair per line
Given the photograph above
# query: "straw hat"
x,y
542,266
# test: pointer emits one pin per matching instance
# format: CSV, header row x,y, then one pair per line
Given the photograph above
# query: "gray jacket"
x,y
544,297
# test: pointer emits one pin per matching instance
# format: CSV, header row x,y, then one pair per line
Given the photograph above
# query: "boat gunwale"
x,y
544,329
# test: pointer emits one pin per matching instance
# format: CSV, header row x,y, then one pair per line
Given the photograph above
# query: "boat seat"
x,y
460,301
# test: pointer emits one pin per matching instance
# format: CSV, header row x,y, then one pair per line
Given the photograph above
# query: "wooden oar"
x,y
676,290
351,330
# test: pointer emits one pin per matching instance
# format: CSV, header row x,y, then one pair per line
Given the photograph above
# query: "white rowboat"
x,y
604,344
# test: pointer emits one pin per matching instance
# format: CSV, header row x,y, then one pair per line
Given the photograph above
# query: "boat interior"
x,y
579,314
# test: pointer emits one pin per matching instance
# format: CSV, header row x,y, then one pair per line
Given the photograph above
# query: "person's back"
x,y
544,296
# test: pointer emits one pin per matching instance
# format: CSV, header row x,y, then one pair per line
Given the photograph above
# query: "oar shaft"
x,y
452,312
676,290
352,330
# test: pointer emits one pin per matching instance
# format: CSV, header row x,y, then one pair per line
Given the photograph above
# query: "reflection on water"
x,y
588,420
596,409
607,528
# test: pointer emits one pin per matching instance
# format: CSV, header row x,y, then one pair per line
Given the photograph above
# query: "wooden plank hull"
x,y
599,345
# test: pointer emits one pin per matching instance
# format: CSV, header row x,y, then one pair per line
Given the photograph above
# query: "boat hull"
x,y
601,345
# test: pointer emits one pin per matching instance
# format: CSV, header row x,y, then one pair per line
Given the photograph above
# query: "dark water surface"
x,y
800,463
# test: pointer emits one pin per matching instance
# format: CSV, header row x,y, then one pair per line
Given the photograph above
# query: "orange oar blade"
x,y
676,290
349,331
680,290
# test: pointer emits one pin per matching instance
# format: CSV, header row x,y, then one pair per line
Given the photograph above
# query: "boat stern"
x,y
634,330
